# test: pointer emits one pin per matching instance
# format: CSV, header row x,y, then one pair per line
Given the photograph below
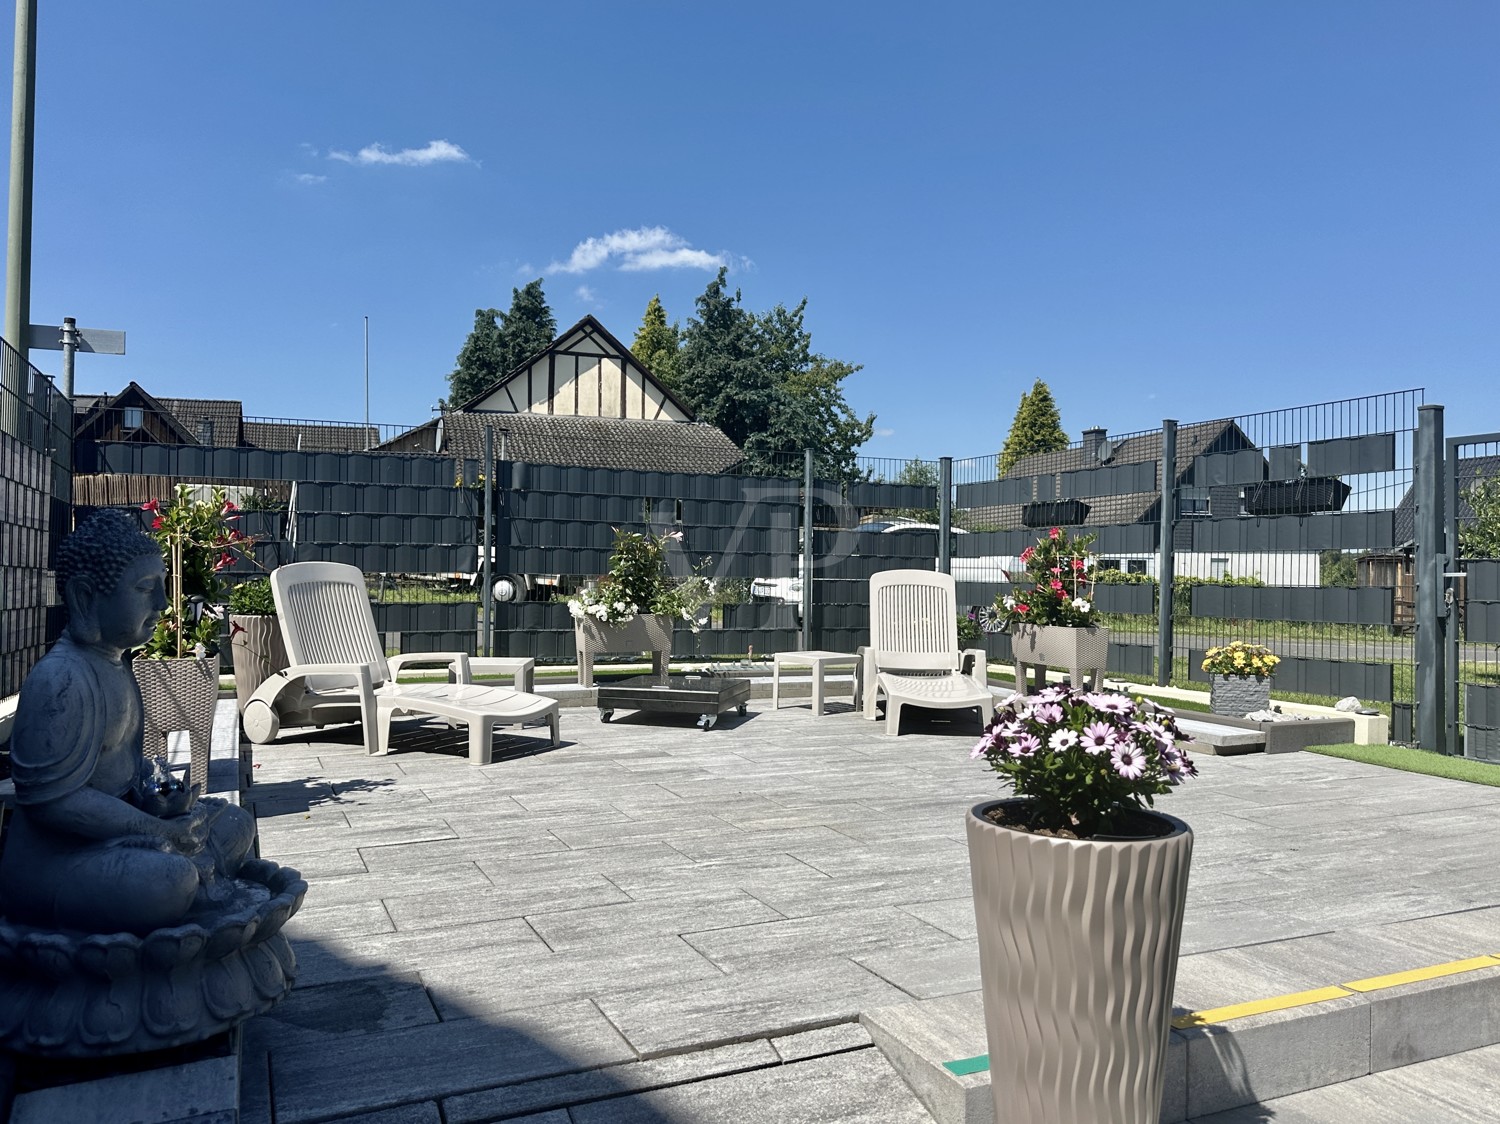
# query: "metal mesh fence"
x,y
1473,500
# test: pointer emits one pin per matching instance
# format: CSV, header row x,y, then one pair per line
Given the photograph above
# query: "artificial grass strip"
x,y
1421,761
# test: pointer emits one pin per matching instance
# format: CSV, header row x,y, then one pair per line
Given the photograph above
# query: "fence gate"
x,y
1472,598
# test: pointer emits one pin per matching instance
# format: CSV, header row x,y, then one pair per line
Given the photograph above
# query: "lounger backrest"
x,y
325,616
913,620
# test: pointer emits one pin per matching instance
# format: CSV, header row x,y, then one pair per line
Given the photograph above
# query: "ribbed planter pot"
x,y
180,695
256,650
1078,944
1048,645
1238,695
649,632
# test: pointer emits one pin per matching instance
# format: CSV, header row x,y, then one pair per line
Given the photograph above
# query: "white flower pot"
x,y
649,632
1042,646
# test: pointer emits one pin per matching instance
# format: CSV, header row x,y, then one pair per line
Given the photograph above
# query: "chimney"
x,y
1093,439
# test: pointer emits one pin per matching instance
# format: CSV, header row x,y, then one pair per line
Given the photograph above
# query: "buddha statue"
x,y
131,915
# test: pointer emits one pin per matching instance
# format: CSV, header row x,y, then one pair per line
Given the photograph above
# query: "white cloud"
x,y
584,293
434,152
640,250
885,433
309,178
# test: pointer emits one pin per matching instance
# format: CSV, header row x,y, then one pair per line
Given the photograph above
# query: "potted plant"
x,y
1078,898
634,607
1239,677
255,644
178,668
1050,611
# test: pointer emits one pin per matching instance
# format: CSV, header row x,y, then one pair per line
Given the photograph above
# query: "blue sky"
x,y
1181,209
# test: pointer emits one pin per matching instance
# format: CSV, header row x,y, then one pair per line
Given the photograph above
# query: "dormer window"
x,y
132,417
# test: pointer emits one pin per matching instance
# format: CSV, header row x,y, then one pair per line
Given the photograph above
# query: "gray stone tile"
x,y
745,1004
685,913
436,909
817,1043
855,1088
342,919
611,1082
326,958
928,972
494,982
852,933
348,1008
325,1079
955,916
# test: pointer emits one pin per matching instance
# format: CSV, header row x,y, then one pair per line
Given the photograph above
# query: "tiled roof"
x,y
1470,471
223,413
1104,511
317,438
585,442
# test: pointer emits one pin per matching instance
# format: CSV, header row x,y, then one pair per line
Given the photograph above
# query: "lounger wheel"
x,y
606,715
261,721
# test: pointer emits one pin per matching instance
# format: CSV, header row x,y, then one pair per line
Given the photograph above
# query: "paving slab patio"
x,y
658,923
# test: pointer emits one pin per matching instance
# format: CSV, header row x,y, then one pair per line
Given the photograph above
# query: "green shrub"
x,y
252,598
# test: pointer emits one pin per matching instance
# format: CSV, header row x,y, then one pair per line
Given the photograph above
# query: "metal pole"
x,y
945,515
807,549
69,344
18,235
1427,461
1451,565
367,383
487,598
1165,570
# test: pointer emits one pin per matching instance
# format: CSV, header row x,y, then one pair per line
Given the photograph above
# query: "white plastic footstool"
x,y
819,662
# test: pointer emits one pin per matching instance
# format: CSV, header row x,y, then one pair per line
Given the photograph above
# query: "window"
x,y
1136,566
1109,563
1193,501
132,417
1218,567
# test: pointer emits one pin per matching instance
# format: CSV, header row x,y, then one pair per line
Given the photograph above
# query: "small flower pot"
x,y
1238,695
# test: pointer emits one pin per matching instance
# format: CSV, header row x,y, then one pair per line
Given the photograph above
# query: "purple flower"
x,y
1111,703
1049,713
1128,761
1025,745
1052,694
1098,737
983,746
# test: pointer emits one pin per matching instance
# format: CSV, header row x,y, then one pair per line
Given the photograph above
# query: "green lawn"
x,y
1415,761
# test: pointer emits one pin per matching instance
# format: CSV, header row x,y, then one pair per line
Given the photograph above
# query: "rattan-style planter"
x,y
179,694
1078,942
649,632
1079,650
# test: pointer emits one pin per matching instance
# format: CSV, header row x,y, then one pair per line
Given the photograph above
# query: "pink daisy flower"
x,y
1128,761
1098,737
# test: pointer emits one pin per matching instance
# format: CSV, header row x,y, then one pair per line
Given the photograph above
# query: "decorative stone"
x,y
130,916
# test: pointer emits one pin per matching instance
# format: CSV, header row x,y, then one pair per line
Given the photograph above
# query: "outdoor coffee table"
x,y
705,695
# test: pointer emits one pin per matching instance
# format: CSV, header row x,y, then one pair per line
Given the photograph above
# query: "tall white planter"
x,y
1078,942
649,632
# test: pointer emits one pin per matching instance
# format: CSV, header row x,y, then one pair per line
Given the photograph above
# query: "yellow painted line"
x,y
1259,1007
1417,975
1342,991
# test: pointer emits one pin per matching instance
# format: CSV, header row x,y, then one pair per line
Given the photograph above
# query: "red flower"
x,y
225,559
228,507
1079,564
151,505
157,522
1057,585
1020,608
1027,553
1055,533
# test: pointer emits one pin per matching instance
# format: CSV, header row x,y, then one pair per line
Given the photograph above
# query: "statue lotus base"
x,y
70,994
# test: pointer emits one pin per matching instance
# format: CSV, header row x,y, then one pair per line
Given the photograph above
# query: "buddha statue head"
x,y
113,581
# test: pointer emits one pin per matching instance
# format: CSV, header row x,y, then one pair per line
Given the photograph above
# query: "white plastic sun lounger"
x,y
913,657
338,666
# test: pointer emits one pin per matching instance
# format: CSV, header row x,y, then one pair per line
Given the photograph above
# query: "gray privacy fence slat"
x,y
868,494
1348,530
1482,722
1245,466
1336,678
1482,622
1111,480
1373,452
1484,581
1295,603
1286,462
1013,490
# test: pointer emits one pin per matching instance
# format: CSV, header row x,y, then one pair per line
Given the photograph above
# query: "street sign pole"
x,y
70,339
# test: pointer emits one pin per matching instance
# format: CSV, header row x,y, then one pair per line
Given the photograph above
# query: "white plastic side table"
x,y
819,662
521,668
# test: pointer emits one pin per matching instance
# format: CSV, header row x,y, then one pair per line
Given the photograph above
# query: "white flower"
x,y
1081,605
1010,602
575,608
619,606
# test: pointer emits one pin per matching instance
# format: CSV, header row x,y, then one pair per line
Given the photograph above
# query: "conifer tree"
x,y
478,363
656,344
501,342
1037,428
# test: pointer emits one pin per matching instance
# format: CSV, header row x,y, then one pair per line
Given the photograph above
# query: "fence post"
x,y
1431,686
807,548
945,515
486,579
1165,558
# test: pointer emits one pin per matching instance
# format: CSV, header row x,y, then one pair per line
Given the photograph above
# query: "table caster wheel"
x,y
742,710
706,721
606,715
